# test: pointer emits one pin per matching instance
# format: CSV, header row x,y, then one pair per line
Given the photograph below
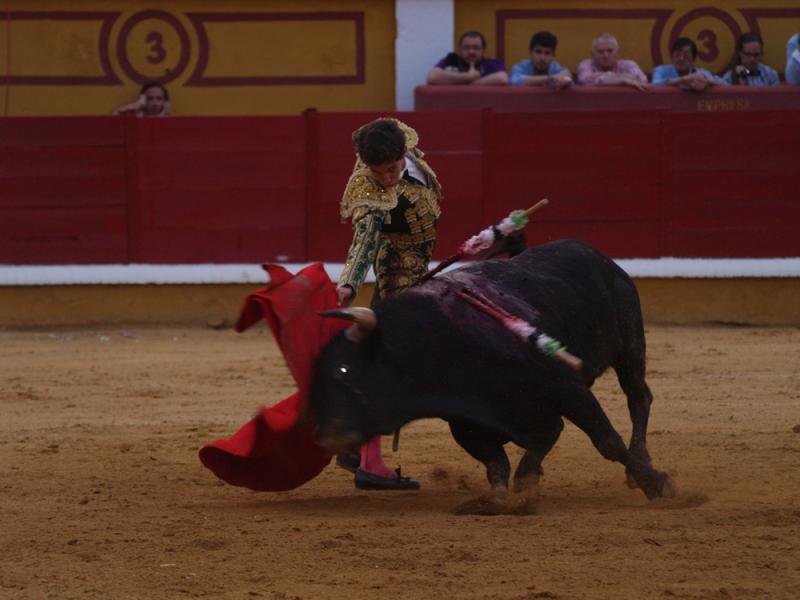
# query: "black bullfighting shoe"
x,y
348,462
369,481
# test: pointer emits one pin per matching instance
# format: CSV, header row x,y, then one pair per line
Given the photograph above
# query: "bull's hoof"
x,y
662,487
492,505
630,481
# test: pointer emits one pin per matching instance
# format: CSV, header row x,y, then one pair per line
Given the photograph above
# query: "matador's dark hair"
x,y
380,142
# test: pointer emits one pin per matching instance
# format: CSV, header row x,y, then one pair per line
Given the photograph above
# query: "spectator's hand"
x,y
696,81
473,72
136,105
562,80
634,82
739,77
345,295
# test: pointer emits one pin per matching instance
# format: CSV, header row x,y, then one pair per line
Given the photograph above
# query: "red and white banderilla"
x,y
547,345
515,221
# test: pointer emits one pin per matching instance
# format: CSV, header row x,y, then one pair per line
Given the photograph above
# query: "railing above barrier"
x,y
576,97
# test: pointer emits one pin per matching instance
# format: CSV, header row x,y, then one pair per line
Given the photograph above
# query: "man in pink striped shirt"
x,y
606,68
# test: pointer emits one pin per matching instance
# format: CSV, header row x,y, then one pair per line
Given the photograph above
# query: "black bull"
x,y
431,354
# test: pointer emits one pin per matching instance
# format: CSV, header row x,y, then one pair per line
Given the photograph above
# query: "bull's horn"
x,y
363,321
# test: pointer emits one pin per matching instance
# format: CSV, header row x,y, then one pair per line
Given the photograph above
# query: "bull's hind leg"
x,y
583,409
486,447
630,368
538,443
639,400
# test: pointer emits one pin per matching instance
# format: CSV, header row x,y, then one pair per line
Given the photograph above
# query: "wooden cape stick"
x,y
475,241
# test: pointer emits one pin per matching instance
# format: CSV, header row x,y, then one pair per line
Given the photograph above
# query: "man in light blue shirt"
x,y
542,68
793,60
682,72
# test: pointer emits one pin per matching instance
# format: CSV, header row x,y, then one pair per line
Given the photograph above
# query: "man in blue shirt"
x,y
541,68
682,72
793,60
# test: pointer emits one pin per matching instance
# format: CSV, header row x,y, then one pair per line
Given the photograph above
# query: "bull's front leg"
x,y
537,443
485,446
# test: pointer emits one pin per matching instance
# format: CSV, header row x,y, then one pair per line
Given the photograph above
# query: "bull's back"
x,y
577,293
566,270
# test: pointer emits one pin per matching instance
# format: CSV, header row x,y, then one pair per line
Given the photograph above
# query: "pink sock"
x,y
372,461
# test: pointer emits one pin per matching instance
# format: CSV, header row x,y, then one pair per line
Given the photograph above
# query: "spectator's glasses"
x,y
751,54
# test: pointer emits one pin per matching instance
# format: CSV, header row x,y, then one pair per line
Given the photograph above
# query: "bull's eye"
x,y
345,378
341,373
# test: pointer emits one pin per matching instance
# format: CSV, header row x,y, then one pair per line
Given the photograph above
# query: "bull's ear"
x,y
364,321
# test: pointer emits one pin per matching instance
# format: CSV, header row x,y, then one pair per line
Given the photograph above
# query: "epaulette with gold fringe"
x,y
363,190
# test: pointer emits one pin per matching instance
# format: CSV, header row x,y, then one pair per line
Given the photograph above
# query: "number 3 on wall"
x,y
708,51
158,53
153,45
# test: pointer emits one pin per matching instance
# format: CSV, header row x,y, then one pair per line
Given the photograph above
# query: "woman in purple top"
x,y
606,68
469,65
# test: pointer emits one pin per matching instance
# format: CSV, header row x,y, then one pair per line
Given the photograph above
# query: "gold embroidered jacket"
x,y
387,222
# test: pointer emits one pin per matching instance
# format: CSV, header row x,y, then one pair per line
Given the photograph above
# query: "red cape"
x,y
276,450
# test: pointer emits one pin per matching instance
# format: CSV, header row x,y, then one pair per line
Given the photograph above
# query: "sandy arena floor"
x,y
102,494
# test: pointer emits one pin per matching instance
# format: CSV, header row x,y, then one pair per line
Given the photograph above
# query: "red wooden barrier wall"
x,y
601,171
731,185
236,189
63,190
218,190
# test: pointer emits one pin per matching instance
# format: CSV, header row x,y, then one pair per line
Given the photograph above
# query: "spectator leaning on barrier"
x,y
153,101
682,72
469,65
541,68
793,60
745,68
606,68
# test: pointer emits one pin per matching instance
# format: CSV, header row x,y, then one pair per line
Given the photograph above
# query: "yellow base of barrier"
x,y
755,301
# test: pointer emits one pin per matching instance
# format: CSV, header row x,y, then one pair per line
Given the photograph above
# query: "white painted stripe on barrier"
x,y
700,268
144,274
148,274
